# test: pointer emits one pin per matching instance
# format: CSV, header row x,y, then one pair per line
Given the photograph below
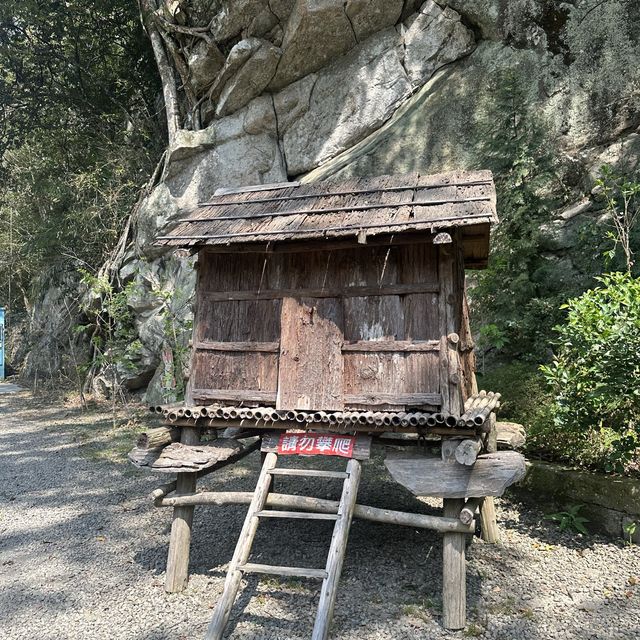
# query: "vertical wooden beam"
x,y
177,574
197,329
449,303
488,521
454,579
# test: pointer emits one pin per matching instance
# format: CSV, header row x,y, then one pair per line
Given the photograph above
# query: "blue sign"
x,y
1,343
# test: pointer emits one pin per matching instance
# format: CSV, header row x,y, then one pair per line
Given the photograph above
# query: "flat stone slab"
x,y
430,476
8,387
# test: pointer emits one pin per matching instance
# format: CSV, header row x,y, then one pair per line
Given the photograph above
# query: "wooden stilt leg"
x,y
178,560
454,579
488,522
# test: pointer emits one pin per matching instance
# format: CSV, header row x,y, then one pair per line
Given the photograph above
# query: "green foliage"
x,y
570,520
622,199
630,530
113,336
513,297
525,397
79,134
595,374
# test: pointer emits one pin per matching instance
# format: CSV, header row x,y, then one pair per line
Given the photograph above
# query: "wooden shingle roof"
x,y
359,207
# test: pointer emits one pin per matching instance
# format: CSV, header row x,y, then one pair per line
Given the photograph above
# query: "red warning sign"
x,y
316,444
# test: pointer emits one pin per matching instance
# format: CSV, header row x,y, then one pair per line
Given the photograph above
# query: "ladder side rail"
x,y
242,551
337,551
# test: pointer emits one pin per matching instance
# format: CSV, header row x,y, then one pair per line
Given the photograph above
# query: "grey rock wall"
x,y
318,88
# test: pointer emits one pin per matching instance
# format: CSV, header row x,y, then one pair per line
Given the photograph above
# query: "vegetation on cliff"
x,y
79,134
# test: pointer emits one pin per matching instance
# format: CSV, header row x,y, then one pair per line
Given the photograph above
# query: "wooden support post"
x,y
454,579
488,522
178,559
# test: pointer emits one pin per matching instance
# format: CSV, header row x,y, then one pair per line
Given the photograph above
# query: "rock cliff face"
x,y
279,89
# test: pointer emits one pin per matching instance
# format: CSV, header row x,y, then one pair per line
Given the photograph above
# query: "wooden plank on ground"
x,y
429,476
311,365
179,457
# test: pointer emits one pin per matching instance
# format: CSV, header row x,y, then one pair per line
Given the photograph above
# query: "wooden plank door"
x,y
311,366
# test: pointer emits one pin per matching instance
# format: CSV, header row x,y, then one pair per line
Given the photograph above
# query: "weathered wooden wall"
x,y
365,326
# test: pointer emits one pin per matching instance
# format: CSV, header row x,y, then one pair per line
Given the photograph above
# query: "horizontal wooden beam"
x,y
262,425
234,395
319,505
324,244
225,191
327,292
406,399
410,224
376,346
262,347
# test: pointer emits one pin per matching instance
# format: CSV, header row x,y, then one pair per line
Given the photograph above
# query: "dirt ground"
x,y
83,552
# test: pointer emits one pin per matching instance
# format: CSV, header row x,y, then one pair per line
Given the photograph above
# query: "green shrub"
x,y
595,375
525,397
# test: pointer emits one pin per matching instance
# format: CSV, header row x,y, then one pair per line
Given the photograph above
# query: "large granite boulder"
x,y
247,71
434,37
317,32
339,106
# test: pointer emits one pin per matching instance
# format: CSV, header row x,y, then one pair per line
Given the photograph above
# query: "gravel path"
x,y
82,556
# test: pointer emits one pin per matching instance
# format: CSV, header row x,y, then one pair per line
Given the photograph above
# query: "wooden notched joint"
x,y
453,338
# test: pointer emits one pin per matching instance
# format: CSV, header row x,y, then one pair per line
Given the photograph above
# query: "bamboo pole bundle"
x,y
479,406
451,421
412,419
270,415
378,418
431,420
259,413
472,401
439,418
404,419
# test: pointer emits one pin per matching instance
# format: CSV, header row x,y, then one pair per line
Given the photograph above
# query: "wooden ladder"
x,y
330,575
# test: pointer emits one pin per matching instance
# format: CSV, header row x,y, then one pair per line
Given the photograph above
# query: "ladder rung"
x,y
311,473
305,515
295,572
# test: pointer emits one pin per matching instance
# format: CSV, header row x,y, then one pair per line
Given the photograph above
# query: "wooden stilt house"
x,y
337,296
328,314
